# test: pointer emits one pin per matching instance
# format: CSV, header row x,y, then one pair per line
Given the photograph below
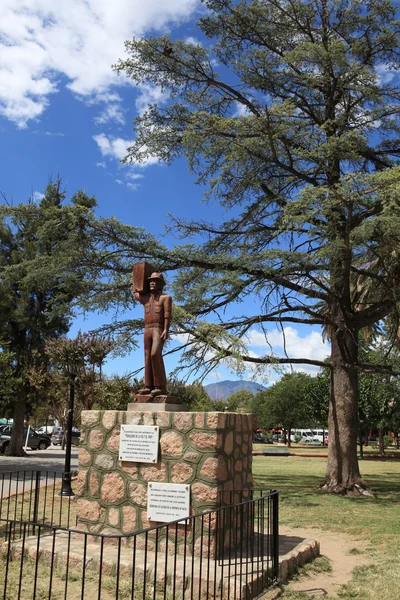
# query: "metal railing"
x,y
228,553
34,496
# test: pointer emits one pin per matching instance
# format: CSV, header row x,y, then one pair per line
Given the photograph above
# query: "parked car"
x,y
36,441
46,430
58,438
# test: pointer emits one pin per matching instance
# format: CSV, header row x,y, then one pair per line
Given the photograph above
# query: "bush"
x,y
297,437
387,441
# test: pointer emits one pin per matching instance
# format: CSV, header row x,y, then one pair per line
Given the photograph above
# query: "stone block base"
x,y
211,452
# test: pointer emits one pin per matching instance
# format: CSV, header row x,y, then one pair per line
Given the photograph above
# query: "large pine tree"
x,y
289,113
38,242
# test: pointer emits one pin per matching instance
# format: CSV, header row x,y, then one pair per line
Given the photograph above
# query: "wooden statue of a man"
x,y
157,319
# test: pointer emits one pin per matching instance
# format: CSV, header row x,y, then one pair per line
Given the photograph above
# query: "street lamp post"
x,y
66,489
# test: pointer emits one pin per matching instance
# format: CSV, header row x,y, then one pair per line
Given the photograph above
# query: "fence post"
x,y
275,533
36,499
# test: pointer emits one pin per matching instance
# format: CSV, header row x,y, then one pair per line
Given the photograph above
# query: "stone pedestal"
x,y
209,451
156,407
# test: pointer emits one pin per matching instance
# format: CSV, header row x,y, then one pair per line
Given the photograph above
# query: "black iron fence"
x,y
226,554
34,496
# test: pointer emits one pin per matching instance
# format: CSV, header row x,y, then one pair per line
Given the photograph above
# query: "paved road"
x,y
51,460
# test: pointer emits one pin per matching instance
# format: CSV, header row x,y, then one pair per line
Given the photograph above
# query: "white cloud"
x,y
117,148
290,342
131,175
149,94
37,197
49,133
384,73
43,42
111,147
133,186
193,41
241,110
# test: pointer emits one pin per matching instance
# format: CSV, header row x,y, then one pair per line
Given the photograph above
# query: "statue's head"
x,y
156,281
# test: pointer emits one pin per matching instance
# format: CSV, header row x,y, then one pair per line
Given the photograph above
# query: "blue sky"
x,y
63,111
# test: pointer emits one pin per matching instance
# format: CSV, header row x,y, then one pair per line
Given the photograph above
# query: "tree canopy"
x,y
288,112
37,289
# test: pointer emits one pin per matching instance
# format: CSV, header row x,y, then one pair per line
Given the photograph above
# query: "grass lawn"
x,y
375,520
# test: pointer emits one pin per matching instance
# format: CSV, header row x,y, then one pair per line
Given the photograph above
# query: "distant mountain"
x,y
223,389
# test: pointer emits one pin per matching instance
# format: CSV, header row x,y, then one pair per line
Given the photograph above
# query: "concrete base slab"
x,y
232,577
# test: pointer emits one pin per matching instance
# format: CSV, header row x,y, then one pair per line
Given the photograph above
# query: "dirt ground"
x,y
339,548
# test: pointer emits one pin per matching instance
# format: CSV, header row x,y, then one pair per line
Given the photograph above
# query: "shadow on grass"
x,y
302,489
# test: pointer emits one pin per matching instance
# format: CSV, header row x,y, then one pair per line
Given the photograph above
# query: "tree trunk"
x,y
15,447
289,432
381,443
342,473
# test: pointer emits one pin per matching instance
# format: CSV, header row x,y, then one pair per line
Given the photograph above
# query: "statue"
x,y
148,289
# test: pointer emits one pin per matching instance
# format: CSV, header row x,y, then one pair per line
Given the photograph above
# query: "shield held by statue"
x,y
140,277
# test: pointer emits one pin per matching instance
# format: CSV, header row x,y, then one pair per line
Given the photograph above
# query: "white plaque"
x,y
139,443
168,501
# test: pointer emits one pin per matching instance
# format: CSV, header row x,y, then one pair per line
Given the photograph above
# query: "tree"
x,y
80,361
289,113
36,290
379,406
286,403
193,395
239,401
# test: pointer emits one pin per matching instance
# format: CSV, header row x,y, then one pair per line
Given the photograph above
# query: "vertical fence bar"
x,y
193,545
201,553
52,563
275,536
229,519
216,549
8,558
133,568
188,523
100,565
67,566
36,564
45,496
155,567
166,561
175,558
36,500
21,566
209,554
118,569
146,537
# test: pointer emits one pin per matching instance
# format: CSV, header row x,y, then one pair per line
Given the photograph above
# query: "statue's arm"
x,y
167,301
140,296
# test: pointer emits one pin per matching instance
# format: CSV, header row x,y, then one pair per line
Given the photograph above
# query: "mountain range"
x,y
223,389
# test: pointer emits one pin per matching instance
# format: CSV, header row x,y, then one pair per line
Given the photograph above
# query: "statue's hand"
x,y
164,335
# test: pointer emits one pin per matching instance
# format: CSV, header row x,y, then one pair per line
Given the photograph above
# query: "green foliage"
x,y
113,393
285,404
81,360
192,395
379,406
40,279
239,401
387,441
276,114
37,242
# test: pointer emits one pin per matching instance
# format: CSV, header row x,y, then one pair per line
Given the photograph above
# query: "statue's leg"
x,y
148,367
159,377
